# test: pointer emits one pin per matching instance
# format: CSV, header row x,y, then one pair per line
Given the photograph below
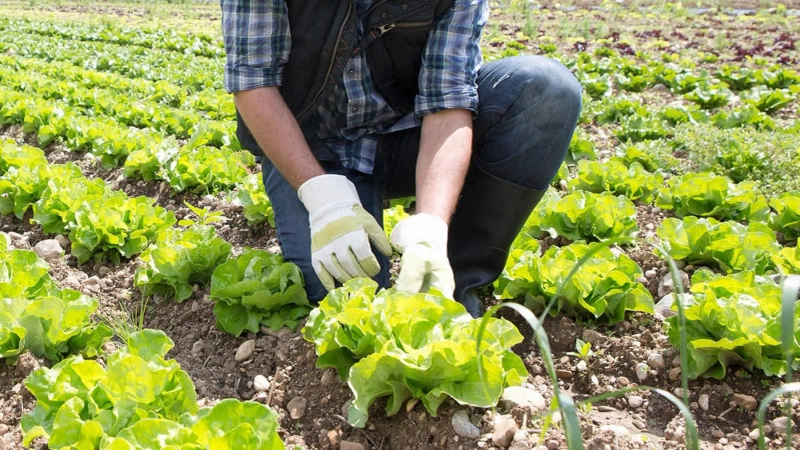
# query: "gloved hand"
x,y
422,238
341,230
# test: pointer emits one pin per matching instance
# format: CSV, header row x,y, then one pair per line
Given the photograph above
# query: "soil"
x,y
287,360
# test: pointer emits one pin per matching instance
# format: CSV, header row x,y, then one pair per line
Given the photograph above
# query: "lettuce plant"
x,y
601,291
731,246
391,216
138,400
253,197
37,316
402,346
706,194
23,186
258,288
787,219
207,169
13,155
613,176
178,259
584,215
733,320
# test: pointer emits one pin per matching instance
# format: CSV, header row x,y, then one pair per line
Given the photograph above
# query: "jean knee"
x,y
550,88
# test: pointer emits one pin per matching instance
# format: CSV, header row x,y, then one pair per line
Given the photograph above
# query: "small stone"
x,y
15,236
650,273
594,337
642,371
463,427
260,383
703,401
639,424
207,200
245,351
716,433
754,434
565,374
198,347
635,401
780,424
49,249
623,381
553,444
335,437
663,308
520,445
63,241
678,392
655,360
328,378
674,373
581,366
642,279
3,429
520,396
521,435
616,430
410,404
297,407
747,402
504,431
350,445
666,285
91,281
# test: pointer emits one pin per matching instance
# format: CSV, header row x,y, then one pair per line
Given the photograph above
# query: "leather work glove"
x,y
341,230
422,239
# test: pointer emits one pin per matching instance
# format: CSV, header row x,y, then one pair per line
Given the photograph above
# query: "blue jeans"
x,y
528,108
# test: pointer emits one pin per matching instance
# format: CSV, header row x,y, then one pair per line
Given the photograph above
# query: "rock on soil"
x,y
348,445
747,402
463,427
504,431
260,383
49,249
297,407
520,396
245,351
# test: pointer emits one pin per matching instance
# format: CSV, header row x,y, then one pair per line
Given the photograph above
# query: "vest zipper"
x,y
391,26
333,59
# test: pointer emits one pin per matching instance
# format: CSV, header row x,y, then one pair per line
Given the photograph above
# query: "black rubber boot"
x,y
489,215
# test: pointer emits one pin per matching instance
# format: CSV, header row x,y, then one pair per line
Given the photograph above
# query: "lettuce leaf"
x,y
787,219
709,195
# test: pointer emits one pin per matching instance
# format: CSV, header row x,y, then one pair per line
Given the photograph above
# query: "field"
x,y
117,146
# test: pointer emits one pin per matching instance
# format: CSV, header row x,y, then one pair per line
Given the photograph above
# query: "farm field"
x,y
126,204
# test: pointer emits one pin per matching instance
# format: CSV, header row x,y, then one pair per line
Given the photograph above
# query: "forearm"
x,y
444,154
278,134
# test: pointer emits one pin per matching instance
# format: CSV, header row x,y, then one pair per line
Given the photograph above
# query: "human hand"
x,y
422,238
341,230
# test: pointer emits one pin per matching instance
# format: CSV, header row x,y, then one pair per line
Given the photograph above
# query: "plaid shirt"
x,y
258,41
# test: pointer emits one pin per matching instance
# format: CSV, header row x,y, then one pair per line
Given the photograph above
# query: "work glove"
x,y
422,239
341,230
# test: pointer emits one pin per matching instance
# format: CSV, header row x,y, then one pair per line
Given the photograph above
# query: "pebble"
x,y
674,373
245,351
3,429
716,433
641,371
463,427
747,402
703,401
553,444
207,200
594,337
639,424
520,396
198,347
520,445
754,434
350,445
297,408
15,236
678,392
565,374
260,383
504,431
655,360
63,241
617,430
91,281
335,437
49,249
623,381
780,424
635,401
328,377
642,280
650,273
666,285
663,308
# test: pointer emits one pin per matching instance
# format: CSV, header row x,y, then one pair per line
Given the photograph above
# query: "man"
x,y
356,101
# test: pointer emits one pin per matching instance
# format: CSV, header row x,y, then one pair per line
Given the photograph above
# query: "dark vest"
x,y
324,38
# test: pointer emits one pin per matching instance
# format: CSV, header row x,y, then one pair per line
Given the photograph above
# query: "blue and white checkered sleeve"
x,y
257,43
450,61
